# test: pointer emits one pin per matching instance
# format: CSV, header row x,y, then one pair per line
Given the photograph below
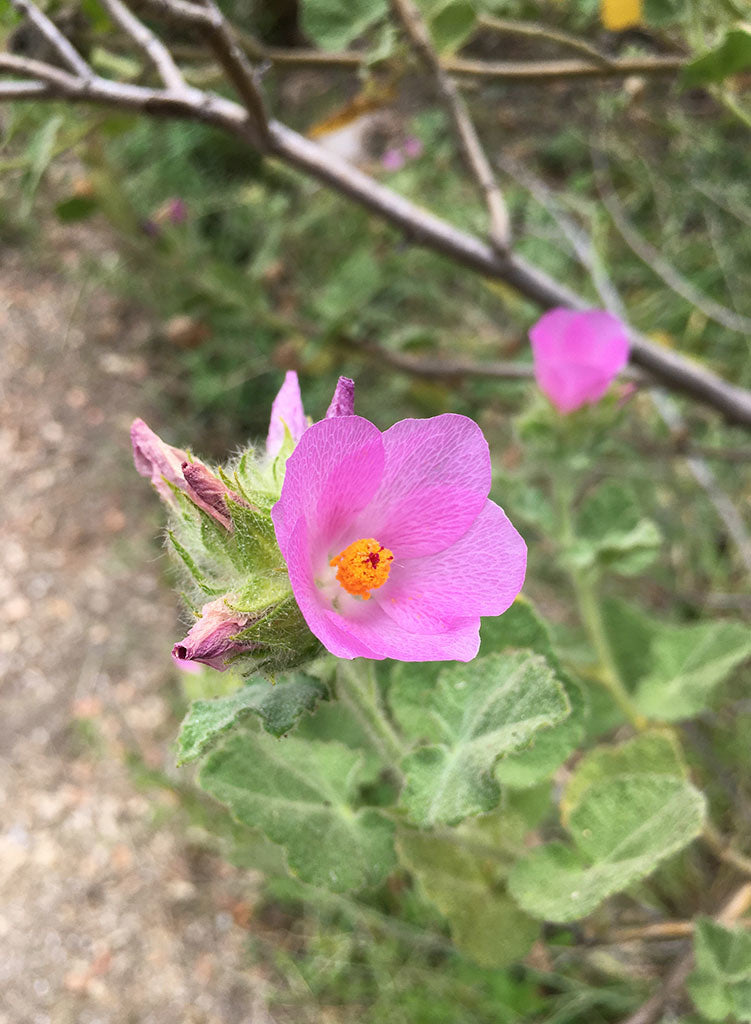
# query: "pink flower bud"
x,y
286,412
210,641
343,402
577,355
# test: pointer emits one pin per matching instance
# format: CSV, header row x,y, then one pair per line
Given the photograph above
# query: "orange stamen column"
x,y
363,566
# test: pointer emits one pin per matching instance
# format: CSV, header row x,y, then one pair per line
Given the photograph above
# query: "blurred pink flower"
x,y
577,355
412,147
393,160
393,548
210,641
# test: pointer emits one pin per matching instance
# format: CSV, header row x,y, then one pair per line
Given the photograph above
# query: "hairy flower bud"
x,y
211,640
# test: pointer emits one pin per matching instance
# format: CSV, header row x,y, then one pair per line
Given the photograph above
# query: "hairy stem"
x,y
588,604
358,688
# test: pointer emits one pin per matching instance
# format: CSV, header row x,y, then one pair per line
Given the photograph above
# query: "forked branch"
x,y
248,121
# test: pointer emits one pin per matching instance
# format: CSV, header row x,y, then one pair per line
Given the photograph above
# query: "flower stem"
x,y
359,689
588,604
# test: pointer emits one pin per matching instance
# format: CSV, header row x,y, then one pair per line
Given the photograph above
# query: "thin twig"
x,y
669,992
408,14
444,368
152,46
229,55
418,225
544,70
62,46
533,31
722,848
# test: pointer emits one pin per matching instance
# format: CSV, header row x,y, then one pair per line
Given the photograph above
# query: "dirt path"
x,y
107,914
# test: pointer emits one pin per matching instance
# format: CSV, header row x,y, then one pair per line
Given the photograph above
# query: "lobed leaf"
x,y
301,793
621,829
477,713
720,984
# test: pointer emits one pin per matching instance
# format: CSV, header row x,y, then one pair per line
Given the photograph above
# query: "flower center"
x,y
363,566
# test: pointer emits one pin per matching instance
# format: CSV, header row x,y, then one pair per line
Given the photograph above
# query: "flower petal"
x,y
287,411
388,639
435,483
333,473
480,574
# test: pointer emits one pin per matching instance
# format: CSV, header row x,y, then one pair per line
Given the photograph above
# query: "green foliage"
x,y
731,56
300,794
612,534
621,828
334,24
278,706
720,984
688,663
485,922
477,713
650,753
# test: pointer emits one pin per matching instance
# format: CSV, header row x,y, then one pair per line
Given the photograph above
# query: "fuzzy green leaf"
x,y
656,752
278,707
485,923
301,794
477,713
521,626
621,830
720,985
688,662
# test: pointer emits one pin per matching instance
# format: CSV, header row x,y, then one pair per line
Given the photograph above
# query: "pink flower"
x,y
210,641
165,465
393,548
577,355
393,160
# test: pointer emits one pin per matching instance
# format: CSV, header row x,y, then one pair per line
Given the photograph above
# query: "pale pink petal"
x,y
333,473
388,639
156,460
286,411
412,147
343,402
435,483
480,574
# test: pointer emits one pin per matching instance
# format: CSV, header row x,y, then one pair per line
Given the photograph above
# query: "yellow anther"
x,y
363,566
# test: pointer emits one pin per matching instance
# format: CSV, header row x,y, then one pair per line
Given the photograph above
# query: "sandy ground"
x,y
108,914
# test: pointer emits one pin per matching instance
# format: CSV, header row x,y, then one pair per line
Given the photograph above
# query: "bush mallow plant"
x,y
577,355
373,544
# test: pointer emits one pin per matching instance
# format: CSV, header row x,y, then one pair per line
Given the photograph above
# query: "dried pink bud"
x,y
210,641
209,492
157,461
